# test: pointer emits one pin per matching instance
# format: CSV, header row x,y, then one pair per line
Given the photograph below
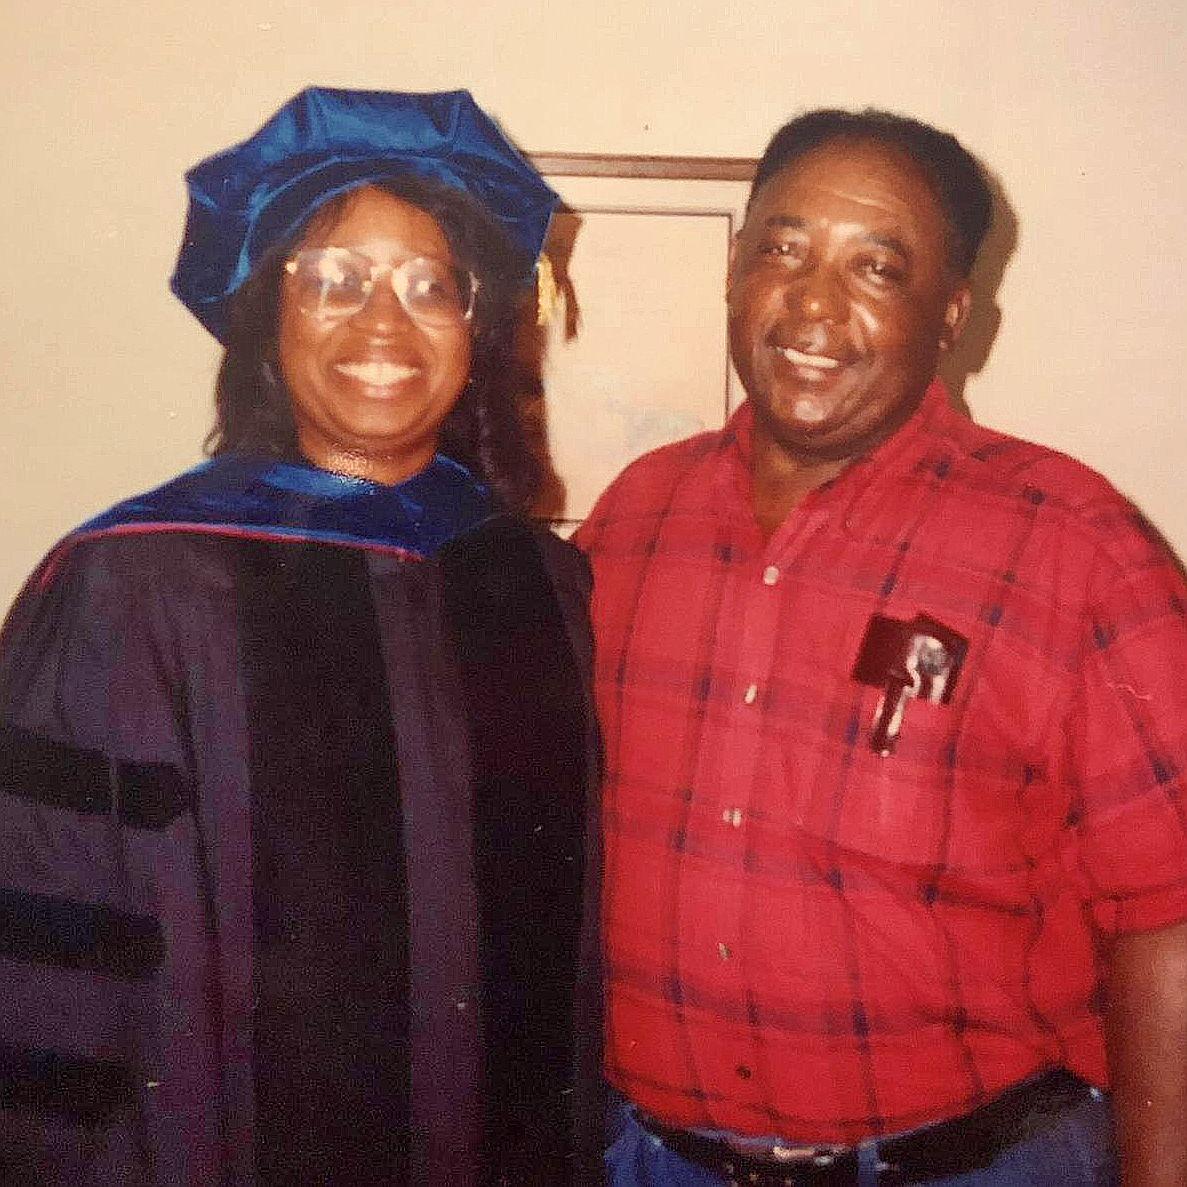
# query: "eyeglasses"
x,y
335,283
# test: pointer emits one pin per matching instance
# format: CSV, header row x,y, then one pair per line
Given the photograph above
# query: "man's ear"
x,y
956,315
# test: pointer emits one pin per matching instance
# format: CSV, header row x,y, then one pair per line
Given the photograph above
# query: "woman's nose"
x,y
382,311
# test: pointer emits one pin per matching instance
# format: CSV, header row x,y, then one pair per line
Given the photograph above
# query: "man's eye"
x,y
882,271
792,253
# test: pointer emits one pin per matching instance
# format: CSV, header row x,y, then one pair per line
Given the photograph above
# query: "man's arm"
x,y
1147,1036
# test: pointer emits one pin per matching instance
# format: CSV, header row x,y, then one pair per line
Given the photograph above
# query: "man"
x,y
896,739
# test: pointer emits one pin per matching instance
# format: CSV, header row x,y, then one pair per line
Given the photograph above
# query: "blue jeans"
x,y
1076,1151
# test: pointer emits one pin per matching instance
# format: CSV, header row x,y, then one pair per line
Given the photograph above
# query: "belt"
x,y
953,1147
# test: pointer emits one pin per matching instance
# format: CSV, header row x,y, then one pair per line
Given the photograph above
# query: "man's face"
x,y
840,298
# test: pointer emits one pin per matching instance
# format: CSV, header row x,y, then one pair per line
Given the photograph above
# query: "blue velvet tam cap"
x,y
325,142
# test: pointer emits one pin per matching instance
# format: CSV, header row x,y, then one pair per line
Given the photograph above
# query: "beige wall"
x,y
1078,106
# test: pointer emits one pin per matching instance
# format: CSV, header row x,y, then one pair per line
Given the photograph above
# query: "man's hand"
x,y
1146,1028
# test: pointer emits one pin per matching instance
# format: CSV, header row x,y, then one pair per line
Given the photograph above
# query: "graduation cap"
x,y
321,144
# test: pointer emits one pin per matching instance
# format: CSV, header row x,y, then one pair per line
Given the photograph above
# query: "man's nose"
x,y
819,297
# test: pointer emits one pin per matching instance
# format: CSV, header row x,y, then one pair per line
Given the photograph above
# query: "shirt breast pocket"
x,y
926,803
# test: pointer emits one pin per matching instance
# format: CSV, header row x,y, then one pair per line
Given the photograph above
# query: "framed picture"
x,y
631,343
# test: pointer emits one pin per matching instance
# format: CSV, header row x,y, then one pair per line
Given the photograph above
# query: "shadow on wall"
x,y
971,351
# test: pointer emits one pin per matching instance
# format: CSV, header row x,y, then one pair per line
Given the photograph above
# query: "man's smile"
x,y
801,358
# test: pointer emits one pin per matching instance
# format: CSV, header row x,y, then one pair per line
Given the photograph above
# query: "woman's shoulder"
x,y
508,541
207,492
130,557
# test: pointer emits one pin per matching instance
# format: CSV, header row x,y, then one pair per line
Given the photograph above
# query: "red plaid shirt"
x,y
806,938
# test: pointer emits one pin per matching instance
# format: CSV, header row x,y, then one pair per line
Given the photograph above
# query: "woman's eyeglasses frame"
x,y
361,275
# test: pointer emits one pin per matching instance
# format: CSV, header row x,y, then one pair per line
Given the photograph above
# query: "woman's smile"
x,y
378,374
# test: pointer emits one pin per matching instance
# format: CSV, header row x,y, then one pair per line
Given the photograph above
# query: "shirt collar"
x,y
899,455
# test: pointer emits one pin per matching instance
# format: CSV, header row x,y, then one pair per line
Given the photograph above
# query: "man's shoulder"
x,y
996,460
1074,501
658,470
646,489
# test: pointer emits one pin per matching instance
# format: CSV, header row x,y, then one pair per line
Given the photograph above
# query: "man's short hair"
x,y
956,176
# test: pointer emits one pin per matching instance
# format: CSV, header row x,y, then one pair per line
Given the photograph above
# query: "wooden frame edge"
x,y
658,168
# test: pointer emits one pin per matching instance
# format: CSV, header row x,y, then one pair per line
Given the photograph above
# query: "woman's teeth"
x,y
377,374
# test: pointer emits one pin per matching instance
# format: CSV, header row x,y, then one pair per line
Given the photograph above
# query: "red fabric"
x,y
803,937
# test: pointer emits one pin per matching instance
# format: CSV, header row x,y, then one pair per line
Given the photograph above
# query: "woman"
x,y
293,809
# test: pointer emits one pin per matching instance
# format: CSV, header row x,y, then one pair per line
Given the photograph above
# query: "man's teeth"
x,y
377,374
808,360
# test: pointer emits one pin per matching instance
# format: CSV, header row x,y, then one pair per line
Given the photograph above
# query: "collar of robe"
x,y
260,498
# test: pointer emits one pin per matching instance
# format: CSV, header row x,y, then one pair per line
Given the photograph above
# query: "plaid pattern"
x,y
803,937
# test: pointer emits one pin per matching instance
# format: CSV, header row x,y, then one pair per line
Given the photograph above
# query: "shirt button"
x,y
770,575
732,816
751,694
723,950
743,1072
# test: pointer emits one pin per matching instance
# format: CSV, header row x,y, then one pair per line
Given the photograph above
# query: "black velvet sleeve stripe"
x,y
86,1091
33,767
73,935
37,768
153,795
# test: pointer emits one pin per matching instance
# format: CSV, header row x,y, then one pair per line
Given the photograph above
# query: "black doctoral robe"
x,y
298,844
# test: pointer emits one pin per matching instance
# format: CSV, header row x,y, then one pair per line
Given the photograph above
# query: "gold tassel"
x,y
548,296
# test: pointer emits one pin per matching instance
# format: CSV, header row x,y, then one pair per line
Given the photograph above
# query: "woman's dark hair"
x,y
955,176
483,432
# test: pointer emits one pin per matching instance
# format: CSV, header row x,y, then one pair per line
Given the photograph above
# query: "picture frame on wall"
x,y
630,344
